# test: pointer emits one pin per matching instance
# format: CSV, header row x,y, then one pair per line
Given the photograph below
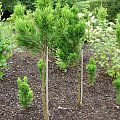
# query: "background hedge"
x,y
9,4
113,6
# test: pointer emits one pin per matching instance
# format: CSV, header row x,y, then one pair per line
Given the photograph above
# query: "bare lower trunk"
x,y
47,83
80,81
44,95
78,87
81,75
44,75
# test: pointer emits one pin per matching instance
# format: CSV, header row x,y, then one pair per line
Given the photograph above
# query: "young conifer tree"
x,y
69,31
33,31
25,94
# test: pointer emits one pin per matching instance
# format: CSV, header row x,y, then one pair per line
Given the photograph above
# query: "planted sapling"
x,y
116,83
91,69
25,94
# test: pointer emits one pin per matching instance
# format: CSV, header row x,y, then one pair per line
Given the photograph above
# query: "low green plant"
x,y
102,13
91,69
41,64
25,94
116,83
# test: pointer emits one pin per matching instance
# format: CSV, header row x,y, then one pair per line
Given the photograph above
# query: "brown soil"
x,y
98,100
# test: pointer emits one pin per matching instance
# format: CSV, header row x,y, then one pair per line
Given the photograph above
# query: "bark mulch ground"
x,y
98,100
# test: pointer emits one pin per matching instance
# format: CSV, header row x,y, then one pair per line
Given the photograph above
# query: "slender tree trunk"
x,y
47,83
44,95
80,81
78,87
44,80
81,75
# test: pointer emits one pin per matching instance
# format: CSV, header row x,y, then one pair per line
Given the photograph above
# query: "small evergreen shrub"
x,y
101,16
102,13
19,10
25,94
116,83
91,69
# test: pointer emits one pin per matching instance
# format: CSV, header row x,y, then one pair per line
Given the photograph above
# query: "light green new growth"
x,y
102,13
25,94
91,69
41,64
19,10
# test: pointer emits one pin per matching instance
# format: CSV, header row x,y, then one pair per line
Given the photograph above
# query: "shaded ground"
x,y
98,101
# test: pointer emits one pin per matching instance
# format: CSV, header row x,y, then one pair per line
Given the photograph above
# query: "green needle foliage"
x,y
19,10
91,69
25,93
27,34
116,83
32,29
68,30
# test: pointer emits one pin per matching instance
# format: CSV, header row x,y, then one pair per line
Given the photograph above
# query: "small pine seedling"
x,y
25,94
91,69
116,83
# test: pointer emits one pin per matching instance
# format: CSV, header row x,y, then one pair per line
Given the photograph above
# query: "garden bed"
x,y
98,100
